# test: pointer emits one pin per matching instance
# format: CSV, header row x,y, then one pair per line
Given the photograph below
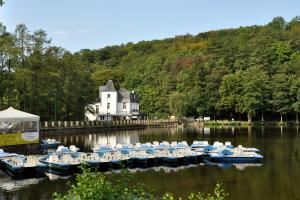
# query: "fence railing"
x,y
53,124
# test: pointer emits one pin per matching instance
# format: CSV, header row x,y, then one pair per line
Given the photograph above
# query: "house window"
x,y
124,105
97,109
108,95
108,105
101,117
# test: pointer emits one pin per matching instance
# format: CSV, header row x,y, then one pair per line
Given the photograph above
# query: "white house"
x,y
114,104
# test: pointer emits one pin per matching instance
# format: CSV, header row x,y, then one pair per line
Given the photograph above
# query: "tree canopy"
x,y
248,71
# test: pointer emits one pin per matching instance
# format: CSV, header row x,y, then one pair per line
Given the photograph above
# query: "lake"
x,y
276,178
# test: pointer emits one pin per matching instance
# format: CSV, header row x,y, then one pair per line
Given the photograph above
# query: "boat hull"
x,y
61,168
24,172
49,146
142,162
173,161
93,163
192,159
235,159
105,166
116,164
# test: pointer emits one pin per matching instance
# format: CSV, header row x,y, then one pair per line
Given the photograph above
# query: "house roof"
x,y
109,87
123,94
12,114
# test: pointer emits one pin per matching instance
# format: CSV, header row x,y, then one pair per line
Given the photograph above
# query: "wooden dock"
x,y
65,127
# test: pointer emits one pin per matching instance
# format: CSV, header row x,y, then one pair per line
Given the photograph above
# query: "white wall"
x,y
121,110
116,108
112,100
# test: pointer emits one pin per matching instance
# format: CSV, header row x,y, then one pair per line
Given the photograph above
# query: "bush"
x,y
218,194
98,186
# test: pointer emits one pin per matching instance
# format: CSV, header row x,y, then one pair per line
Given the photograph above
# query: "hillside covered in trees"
x,y
245,72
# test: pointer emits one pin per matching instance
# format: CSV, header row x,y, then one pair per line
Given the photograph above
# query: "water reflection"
x,y
239,166
87,141
6,183
53,177
278,176
206,131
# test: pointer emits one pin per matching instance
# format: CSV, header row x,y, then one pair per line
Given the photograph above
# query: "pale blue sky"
x,y
75,24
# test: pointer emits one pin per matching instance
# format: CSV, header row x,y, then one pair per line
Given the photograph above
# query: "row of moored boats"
x,y
66,160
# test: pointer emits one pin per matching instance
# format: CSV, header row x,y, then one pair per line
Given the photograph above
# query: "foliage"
x,y
220,74
218,194
177,104
97,186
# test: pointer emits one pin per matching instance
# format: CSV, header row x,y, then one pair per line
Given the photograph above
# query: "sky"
x,y
94,24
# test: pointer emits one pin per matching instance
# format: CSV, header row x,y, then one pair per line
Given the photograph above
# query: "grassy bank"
x,y
245,123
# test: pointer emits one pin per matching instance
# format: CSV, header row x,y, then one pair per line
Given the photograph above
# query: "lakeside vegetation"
x,y
248,72
96,185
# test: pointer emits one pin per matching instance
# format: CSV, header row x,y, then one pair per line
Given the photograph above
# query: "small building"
x,y
18,128
206,118
115,104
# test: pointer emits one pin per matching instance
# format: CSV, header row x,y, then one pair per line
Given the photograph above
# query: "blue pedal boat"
x,y
173,158
199,144
230,156
61,164
23,167
192,158
5,155
50,143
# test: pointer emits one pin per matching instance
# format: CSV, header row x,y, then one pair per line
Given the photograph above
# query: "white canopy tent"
x,y
18,120
18,127
12,115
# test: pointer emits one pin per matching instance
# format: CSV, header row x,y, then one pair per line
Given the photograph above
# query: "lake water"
x,y
276,178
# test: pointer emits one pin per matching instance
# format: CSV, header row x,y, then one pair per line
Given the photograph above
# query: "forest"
x,y
244,73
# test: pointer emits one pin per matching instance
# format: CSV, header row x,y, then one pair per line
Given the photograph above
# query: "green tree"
x,y
295,90
22,40
231,93
255,92
177,104
281,98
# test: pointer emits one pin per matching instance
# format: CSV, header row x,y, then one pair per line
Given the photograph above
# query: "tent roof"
x,y
12,114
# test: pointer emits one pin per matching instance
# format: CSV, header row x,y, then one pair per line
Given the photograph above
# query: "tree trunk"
x,y
1,84
249,118
281,118
262,118
24,95
9,83
297,120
